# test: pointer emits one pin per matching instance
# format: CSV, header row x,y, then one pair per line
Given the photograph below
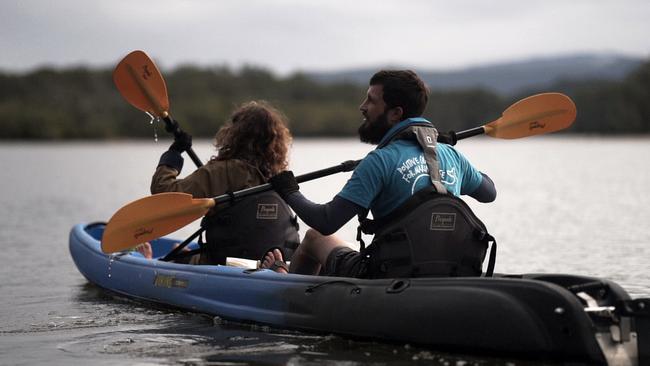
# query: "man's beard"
x,y
373,131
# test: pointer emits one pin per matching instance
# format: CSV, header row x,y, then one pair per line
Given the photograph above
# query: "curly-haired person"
x,y
252,146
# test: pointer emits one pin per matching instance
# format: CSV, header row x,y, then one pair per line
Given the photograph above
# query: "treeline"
x,y
84,104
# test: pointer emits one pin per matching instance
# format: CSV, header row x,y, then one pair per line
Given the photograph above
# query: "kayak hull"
x,y
530,315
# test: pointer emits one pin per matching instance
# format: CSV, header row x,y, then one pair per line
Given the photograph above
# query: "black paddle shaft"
x,y
176,130
345,166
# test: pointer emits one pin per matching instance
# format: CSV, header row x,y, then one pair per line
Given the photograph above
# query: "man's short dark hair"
x,y
403,88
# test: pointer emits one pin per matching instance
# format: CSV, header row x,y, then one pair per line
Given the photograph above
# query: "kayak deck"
x,y
533,315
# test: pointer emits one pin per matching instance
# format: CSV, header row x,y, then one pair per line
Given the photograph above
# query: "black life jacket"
x,y
249,228
431,234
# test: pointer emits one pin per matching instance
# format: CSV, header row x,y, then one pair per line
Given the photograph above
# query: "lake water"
x,y
565,204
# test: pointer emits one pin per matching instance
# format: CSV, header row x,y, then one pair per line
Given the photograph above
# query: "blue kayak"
x,y
554,316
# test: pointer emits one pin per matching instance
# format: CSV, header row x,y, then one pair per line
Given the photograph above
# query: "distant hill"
x,y
512,77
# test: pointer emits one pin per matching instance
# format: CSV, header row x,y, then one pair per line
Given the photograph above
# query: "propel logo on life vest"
x,y
441,221
267,211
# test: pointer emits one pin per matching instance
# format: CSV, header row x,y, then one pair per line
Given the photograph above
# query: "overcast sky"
x,y
316,35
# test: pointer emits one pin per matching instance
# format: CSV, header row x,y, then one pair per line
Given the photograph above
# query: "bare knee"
x,y
319,246
312,236
310,242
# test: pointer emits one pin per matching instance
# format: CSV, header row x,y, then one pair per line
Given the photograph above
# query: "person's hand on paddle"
x,y
284,183
182,142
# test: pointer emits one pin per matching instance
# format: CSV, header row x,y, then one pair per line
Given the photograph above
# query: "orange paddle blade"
x,y
150,218
535,115
141,84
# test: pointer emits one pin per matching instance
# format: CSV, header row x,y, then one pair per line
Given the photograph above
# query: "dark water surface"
x,y
569,205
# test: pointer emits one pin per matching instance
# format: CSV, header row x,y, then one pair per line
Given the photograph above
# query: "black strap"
x,y
174,254
369,226
185,254
294,221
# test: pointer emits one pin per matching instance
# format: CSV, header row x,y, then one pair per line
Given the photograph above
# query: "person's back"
x,y
385,179
252,146
399,170
215,178
421,227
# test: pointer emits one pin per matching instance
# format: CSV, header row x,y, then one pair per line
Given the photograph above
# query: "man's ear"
x,y
396,114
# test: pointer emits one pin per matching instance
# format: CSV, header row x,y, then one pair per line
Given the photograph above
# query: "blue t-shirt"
x,y
387,177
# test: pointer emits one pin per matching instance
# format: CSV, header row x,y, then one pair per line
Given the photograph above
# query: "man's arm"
x,y
486,191
325,218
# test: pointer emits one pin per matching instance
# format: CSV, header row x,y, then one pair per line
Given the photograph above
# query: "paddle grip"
x,y
469,133
176,130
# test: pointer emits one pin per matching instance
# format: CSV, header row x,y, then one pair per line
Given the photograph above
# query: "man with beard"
x,y
383,181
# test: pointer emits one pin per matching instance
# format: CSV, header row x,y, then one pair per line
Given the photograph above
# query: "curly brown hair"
x,y
257,133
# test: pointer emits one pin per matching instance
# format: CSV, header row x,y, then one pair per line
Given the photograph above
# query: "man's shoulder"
x,y
448,151
389,153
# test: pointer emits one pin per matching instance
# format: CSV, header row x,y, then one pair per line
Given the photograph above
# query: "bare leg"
x,y
312,253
